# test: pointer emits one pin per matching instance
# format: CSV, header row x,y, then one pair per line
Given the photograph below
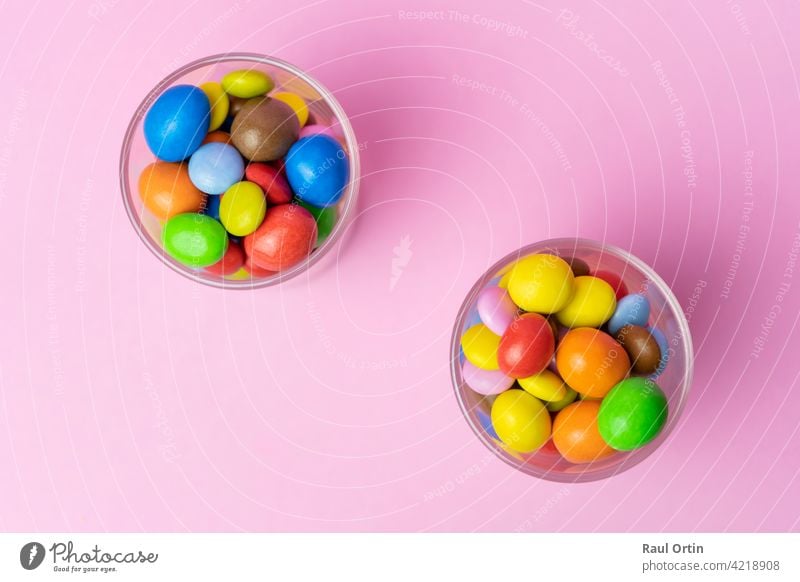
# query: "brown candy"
x,y
236,105
264,129
580,268
641,347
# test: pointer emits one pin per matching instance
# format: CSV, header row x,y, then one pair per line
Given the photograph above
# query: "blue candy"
x,y
215,167
661,340
212,206
631,310
177,123
486,423
317,169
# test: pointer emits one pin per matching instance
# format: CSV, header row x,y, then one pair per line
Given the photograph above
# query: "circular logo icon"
x,y
31,555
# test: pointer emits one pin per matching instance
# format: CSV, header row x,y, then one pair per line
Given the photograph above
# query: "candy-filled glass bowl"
x,y
258,132
571,360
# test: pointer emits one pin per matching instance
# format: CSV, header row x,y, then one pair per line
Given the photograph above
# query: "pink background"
x,y
132,399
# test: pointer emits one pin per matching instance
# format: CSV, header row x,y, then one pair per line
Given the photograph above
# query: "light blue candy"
x,y
177,123
661,340
631,310
215,167
317,169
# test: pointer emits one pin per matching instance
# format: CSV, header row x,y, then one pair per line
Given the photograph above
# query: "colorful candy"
x,y
592,303
541,283
218,185
557,405
215,167
247,83
271,181
231,262
285,237
219,102
642,348
534,341
242,208
576,436
297,104
479,345
326,220
496,309
196,240
520,420
545,386
631,310
591,361
632,414
177,122
264,129
486,382
167,190
526,347
317,170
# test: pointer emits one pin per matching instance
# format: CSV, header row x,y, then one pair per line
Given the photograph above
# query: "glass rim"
x,y
350,195
632,458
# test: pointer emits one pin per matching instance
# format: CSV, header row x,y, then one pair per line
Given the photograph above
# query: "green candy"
x,y
196,240
632,414
325,217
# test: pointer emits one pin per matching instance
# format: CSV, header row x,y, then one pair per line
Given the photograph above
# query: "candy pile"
x,y
245,184
565,355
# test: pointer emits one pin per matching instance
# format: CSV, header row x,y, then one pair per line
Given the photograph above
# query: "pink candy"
x,y
486,382
496,309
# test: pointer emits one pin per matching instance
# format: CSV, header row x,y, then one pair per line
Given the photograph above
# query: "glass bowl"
x,y
666,315
323,108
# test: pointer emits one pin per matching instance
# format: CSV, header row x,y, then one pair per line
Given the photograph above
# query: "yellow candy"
x,y
239,275
296,103
520,420
592,304
480,347
219,101
541,283
503,282
242,208
247,83
545,385
564,402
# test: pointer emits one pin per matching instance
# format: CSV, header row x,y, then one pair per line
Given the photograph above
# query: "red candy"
x,y
526,347
255,270
616,282
285,238
271,181
231,261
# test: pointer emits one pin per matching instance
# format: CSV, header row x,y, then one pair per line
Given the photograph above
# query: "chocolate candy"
x,y
264,129
642,348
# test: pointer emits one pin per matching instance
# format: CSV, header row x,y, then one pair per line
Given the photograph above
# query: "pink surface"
x,y
133,399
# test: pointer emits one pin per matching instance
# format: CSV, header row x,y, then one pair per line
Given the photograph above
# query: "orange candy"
x,y
217,136
575,433
591,362
166,190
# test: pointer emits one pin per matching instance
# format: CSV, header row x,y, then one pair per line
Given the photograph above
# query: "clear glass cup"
x,y
324,110
666,315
